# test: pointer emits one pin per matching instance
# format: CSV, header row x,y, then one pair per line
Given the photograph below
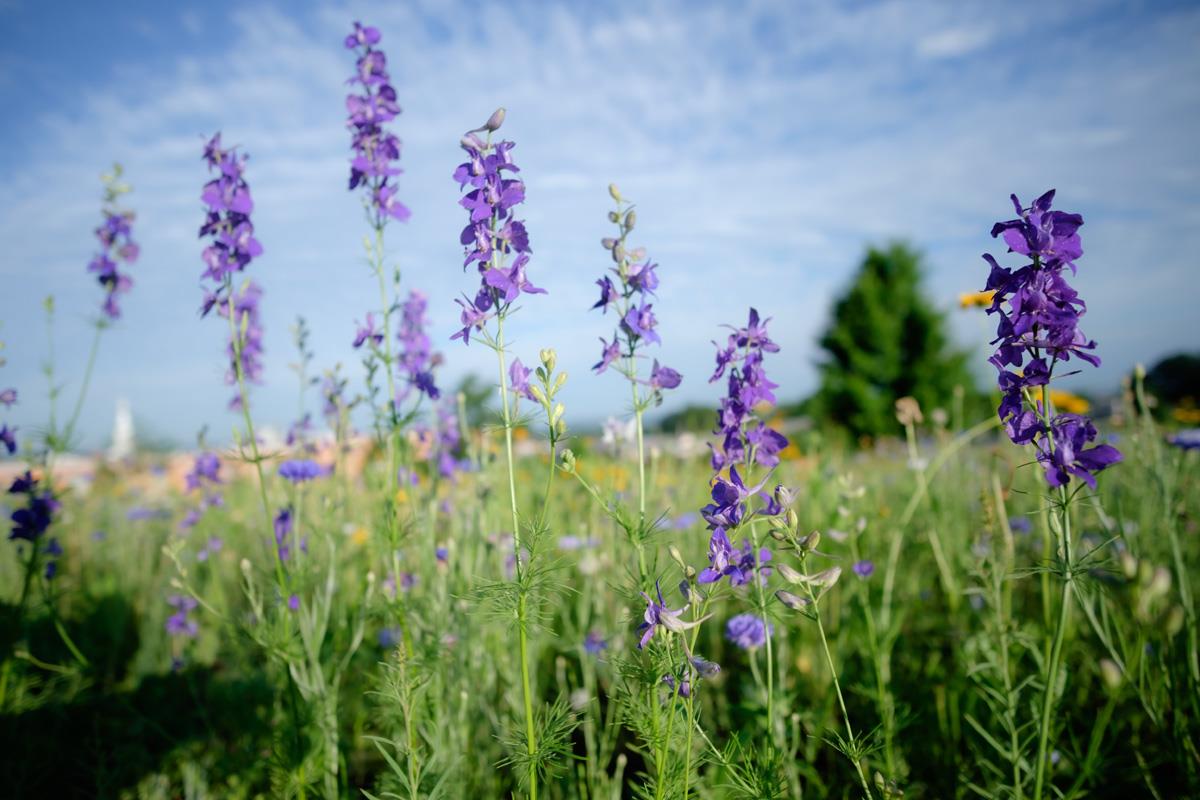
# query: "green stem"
x,y
523,635
1057,646
83,388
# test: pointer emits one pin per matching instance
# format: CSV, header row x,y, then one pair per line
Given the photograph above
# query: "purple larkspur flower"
x,y
864,569
748,631
180,623
685,686
8,397
518,379
283,533
493,234
442,555
663,377
640,323
1038,315
206,469
302,470
370,108
117,248
609,354
368,333
416,358
8,438
1188,439
738,564
594,643
659,616
231,247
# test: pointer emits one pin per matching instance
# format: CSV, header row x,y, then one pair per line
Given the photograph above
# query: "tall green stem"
x,y
1048,699
522,632
69,430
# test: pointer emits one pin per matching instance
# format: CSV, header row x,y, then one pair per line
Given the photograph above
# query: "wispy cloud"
x,y
765,146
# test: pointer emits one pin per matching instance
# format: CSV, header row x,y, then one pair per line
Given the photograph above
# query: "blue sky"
x,y
766,145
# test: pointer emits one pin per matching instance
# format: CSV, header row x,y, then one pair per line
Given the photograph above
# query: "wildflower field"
x,y
406,599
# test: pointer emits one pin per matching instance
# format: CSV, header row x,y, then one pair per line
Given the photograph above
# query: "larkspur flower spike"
x,y
1038,316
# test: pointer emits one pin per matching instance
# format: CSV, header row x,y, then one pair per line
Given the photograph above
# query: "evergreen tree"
x,y
886,341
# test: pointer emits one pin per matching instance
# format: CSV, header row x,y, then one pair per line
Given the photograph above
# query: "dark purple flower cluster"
x,y
30,522
180,623
375,149
230,249
116,247
1038,327
416,358
493,232
204,478
285,537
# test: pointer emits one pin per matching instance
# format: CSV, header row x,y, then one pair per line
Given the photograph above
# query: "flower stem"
x,y
1048,699
523,635
83,388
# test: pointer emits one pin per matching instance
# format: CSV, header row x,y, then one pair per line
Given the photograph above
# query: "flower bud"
x,y
779,534
811,541
908,411
538,394
1129,565
676,556
558,382
549,358
784,496
494,121
792,601
613,217
790,575
245,565
608,243
560,429
630,220
1111,674
618,252
568,460
614,192
559,410
637,254
793,519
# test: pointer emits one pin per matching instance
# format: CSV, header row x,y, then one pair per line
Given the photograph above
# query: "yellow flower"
x,y
359,535
973,299
1070,403
1188,416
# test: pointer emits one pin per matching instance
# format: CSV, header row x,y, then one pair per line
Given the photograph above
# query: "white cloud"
x,y
953,42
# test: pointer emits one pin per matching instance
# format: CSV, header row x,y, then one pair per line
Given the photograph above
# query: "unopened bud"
x,y
559,381
630,220
618,252
677,556
1129,565
1139,371
495,120
690,572
1111,674
792,601
549,358
791,575
568,460
614,192
245,565
538,394
779,534
811,541
784,496
793,519
608,243
560,429
559,410
613,217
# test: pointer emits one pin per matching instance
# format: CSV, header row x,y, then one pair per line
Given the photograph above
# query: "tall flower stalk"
x,y
745,441
635,331
497,244
1038,330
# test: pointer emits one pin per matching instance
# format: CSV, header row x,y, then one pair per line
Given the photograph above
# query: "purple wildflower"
x,y
658,615
8,397
748,631
1038,327
230,249
416,358
302,470
206,468
180,623
493,233
117,246
864,569
1188,439
283,533
8,437
376,149
518,379
662,377
595,643
368,333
